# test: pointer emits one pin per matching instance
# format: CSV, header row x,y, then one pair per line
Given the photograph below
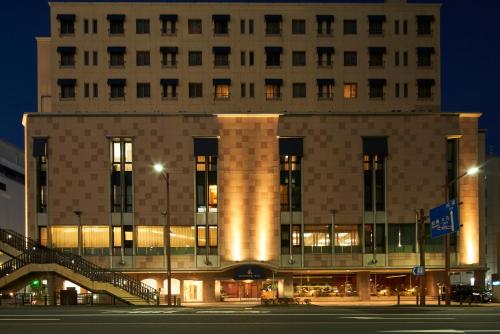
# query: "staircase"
x,y
30,257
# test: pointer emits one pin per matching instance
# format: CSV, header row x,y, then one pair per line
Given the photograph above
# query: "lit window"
x,y
317,239
149,240
65,238
222,91
273,92
182,239
350,90
95,240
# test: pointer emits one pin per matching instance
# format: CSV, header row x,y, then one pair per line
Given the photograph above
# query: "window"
x,y
95,90
195,90
376,25
169,89
194,26
350,58
43,235
194,58
405,90
67,88
377,88
221,88
291,239
250,58
290,174
273,89
251,89
350,27
142,26
86,58
424,56
325,56
168,56
201,240
376,56
273,24
242,58
221,24
86,90
142,58
221,56
243,89
206,151
396,58
116,89
143,90
405,58
299,90
95,240
66,24
250,27
350,90
405,27
325,25
325,89
242,26
424,90
396,90
374,238
40,153
273,56
374,152
346,239
317,239
182,240
298,27
149,240
452,166
298,58
116,24
401,238
424,25
116,56
65,238
94,26
85,26
67,56
121,175
94,58
396,27
168,24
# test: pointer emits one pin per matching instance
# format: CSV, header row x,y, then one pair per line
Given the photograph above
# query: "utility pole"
x,y
420,215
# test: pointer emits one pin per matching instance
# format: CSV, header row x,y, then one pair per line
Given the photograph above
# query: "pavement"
x,y
242,319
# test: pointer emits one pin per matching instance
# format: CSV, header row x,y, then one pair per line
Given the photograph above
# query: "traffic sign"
x,y
444,219
418,271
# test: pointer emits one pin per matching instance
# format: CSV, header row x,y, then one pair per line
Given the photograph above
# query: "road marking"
x,y
24,319
399,318
442,331
239,312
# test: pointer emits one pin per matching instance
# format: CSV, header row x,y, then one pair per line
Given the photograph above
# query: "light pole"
x,y
161,170
471,171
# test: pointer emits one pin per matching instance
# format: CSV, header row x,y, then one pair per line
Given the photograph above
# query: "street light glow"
x,y
473,170
158,168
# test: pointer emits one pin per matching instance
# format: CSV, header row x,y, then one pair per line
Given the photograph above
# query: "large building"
x,y
492,201
299,139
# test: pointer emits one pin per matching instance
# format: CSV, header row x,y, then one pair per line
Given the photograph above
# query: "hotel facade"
x,y
299,141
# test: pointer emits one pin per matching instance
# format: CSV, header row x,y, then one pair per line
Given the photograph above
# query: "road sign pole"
x,y
447,264
421,247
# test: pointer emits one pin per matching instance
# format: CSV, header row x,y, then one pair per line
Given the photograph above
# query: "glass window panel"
x,y
117,236
181,236
149,236
95,236
64,236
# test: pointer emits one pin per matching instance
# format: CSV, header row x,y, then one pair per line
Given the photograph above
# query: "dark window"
x,y
242,58
142,26
116,88
405,90
375,238
86,90
221,27
67,88
325,89
67,59
251,90
168,56
143,90
94,26
116,57
377,88
376,24
405,58
396,90
273,56
291,239
273,24
424,56
290,174
350,27
142,58
298,27
401,238
40,153
243,89
195,89
66,24
425,88
121,175
396,27
396,58
242,26
250,27
299,58
350,58
376,56
95,89
169,24
116,25
194,26
325,56
85,26
452,167
221,59
374,153
94,58
250,58
405,27
86,58
299,90
325,24
169,89
195,58
424,24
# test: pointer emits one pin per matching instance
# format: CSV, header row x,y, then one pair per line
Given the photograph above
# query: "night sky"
x,y
470,54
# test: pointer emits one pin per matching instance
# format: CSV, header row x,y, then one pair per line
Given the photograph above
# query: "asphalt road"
x,y
251,320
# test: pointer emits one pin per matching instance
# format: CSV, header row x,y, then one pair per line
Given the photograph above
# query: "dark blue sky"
x,y
470,62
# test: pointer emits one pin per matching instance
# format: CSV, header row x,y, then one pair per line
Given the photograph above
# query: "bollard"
x,y
461,300
45,299
399,298
439,300
417,299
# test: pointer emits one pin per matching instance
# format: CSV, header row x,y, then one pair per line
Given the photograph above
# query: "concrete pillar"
x,y
434,279
480,278
208,289
363,285
51,287
287,285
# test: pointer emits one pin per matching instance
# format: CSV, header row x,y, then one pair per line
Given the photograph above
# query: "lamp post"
x,y
161,170
471,171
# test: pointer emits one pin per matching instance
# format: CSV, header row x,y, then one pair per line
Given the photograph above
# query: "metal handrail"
x,y
33,252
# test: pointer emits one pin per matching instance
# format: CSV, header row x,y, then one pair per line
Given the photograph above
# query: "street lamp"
x,y
469,172
162,171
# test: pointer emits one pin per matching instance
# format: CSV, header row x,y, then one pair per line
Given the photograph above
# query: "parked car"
x,y
470,294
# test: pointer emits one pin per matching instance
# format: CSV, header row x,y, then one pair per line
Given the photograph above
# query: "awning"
x,y
273,49
376,18
377,81
66,49
168,17
324,18
273,18
117,49
39,147
116,17
377,49
222,81
169,49
325,81
66,17
117,82
165,82
425,50
221,49
278,82
291,146
375,146
66,82
325,49
425,18
206,146
431,82
221,17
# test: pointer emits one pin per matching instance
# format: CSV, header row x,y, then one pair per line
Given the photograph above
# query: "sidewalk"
x,y
376,303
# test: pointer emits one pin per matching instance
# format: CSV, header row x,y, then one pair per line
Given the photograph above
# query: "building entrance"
x,y
248,289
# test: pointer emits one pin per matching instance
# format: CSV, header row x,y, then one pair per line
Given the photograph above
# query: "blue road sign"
x,y
444,219
418,271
